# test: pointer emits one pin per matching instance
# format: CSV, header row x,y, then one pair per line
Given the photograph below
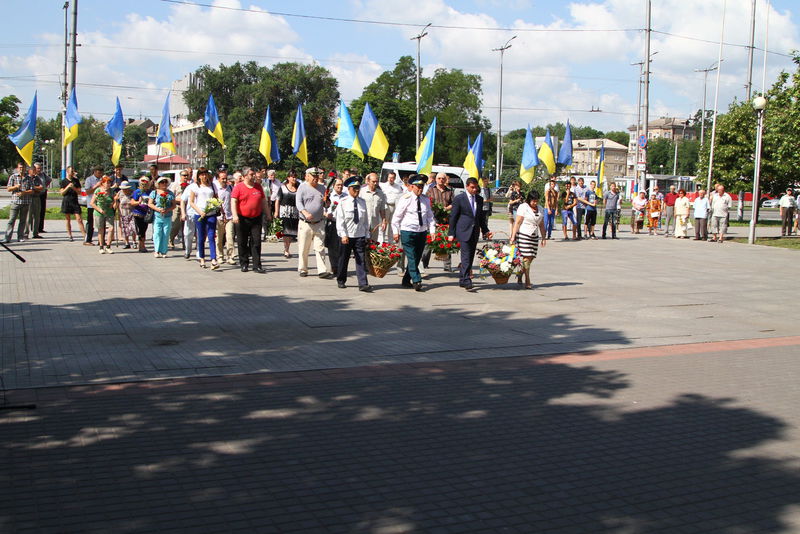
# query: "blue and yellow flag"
x,y
527,168
164,136
299,141
346,135
73,119
211,121
115,128
424,156
565,154
23,138
269,143
372,136
601,171
473,164
547,154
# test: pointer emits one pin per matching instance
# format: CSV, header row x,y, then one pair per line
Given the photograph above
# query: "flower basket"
x,y
500,278
439,245
501,261
441,256
381,257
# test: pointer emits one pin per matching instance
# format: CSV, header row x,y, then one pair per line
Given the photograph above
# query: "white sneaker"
x,y
109,251
102,250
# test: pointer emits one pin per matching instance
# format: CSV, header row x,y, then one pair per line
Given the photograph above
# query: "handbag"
x,y
655,214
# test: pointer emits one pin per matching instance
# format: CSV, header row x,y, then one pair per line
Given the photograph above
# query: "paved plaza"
x,y
644,385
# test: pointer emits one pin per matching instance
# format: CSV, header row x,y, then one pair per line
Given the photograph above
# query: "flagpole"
x,y
502,51
64,92
418,38
73,67
716,101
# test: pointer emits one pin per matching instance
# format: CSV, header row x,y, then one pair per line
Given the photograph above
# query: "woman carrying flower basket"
x,y
501,260
528,229
467,220
162,202
203,201
352,228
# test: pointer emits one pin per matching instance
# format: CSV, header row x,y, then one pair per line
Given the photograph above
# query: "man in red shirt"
x,y
248,204
669,208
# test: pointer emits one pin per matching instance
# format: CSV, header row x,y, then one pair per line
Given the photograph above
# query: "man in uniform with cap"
x,y
352,228
413,219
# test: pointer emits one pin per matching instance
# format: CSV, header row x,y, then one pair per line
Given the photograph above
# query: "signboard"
x,y
641,167
642,141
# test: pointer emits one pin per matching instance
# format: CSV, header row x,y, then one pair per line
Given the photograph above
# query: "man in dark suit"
x,y
467,220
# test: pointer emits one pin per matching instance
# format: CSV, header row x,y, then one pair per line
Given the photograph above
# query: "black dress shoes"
x,y
367,288
417,286
259,270
245,268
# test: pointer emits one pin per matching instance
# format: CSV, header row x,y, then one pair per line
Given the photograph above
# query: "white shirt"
x,y
201,195
335,199
530,219
406,216
91,181
345,211
787,201
392,192
185,199
721,204
700,207
682,206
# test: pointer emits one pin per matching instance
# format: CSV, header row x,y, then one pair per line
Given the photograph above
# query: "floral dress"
x,y
127,226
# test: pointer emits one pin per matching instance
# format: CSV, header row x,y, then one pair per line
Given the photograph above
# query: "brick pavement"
x,y
687,438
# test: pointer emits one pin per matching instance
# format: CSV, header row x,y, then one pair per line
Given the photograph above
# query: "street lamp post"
x,y
705,72
499,164
760,105
418,38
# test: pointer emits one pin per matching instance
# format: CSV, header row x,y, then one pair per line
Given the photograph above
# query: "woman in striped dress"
x,y
527,232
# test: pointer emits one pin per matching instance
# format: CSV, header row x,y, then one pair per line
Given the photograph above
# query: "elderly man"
x,y
669,210
412,221
311,228
700,207
35,210
442,194
352,229
248,203
787,205
376,207
720,207
21,189
392,190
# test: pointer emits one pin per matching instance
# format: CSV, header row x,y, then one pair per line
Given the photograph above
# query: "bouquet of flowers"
x,y
439,245
501,260
276,228
213,207
162,199
441,215
381,257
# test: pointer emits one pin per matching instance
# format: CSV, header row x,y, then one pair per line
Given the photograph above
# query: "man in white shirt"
x,y
392,190
413,219
720,206
188,215
352,227
376,207
787,205
700,207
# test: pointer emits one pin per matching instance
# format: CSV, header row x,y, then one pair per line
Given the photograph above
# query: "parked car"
x,y
770,203
500,192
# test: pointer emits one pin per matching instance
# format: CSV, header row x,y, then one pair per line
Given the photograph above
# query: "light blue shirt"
x,y
700,207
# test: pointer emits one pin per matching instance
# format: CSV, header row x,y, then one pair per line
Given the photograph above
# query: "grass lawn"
x,y
782,242
53,213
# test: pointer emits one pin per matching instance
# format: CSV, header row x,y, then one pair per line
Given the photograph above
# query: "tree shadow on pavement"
x,y
492,445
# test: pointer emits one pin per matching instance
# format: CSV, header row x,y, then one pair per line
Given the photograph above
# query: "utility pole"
x,y
750,50
646,88
638,123
502,51
716,100
714,66
418,38
64,91
73,66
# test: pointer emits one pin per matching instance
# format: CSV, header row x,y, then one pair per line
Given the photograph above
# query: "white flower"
x,y
490,254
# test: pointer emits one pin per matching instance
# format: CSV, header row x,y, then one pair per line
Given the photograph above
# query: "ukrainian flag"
x,y
547,155
299,141
164,136
527,168
73,119
346,135
23,138
211,121
601,171
115,129
474,162
565,154
372,134
269,143
424,156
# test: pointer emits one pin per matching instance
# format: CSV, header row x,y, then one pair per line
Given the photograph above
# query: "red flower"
x,y
279,235
372,247
163,194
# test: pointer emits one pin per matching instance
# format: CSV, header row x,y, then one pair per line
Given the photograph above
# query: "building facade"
x,y
586,158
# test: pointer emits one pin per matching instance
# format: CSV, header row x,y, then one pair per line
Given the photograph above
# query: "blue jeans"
x,y
206,228
611,218
549,222
161,227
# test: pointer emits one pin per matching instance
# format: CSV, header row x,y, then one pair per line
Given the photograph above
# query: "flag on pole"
x,y
565,154
527,168
424,156
72,119
601,170
115,129
372,136
547,154
269,143
211,121
164,136
23,138
473,164
346,135
299,141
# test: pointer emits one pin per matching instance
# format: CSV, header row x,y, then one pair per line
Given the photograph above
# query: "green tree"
x,y
134,142
92,147
622,138
659,156
9,112
243,91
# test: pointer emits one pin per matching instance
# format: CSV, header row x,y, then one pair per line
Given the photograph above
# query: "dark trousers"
x,y
579,212
43,210
249,237
700,229
90,224
413,246
333,243
141,227
787,221
611,218
467,255
426,260
357,246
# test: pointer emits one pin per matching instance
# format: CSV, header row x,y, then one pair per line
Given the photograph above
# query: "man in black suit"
x,y
467,220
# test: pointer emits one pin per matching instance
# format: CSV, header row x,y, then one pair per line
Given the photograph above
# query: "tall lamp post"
x,y
760,105
502,51
418,38
705,72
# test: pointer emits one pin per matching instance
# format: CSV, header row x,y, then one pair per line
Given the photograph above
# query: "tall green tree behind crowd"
x,y
243,91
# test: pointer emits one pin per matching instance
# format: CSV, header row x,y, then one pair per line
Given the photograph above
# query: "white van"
x,y
457,175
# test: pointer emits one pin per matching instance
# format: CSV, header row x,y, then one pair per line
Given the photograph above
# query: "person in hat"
x,y
352,227
126,225
787,205
311,229
413,219
162,202
467,220
141,210
70,189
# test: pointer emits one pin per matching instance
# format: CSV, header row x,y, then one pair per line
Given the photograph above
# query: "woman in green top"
x,y
104,204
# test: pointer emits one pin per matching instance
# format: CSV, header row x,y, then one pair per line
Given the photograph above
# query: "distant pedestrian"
x,y
46,181
311,228
142,216
528,232
467,221
70,189
787,205
700,208
90,185
352,226
21,189
226,228
669,210
681,214
248,204
638,209
720,210
104,205
550,207
286,210
611,207
35,210
590,206
376,206
162,203
581,191
205,221
441,194
653,214
515,200
127,226
332,238
392,188
413,219
568,203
